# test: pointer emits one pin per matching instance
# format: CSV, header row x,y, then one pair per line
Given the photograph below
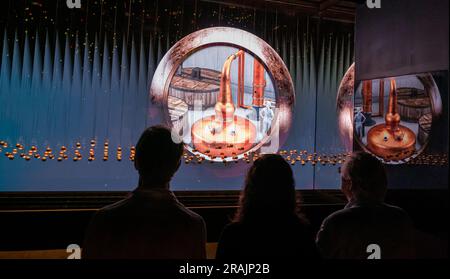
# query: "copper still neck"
x,y
392,117
225,108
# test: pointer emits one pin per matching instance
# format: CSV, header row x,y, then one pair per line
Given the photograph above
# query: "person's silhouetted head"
x,y
363,178
157,156
269,190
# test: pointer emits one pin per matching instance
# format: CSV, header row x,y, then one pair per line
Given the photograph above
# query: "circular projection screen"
x,y
390,118
225,93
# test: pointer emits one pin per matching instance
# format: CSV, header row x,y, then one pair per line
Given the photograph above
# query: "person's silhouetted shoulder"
x,y
147,225
347,233
367,226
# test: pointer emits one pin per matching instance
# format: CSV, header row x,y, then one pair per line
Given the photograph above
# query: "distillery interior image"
x,y
224,130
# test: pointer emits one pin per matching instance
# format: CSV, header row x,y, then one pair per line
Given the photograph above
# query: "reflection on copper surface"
x,y
345,122
391,141
344,107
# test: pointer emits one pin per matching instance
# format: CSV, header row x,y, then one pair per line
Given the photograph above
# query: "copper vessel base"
x,y
382,142
232,140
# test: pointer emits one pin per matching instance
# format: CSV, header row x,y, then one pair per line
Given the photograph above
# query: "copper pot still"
x,y
231,135
390,141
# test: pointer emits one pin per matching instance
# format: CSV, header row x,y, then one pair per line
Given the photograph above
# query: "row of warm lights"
x,y
234,158
200,157
48,154
430,159
303,157
292,156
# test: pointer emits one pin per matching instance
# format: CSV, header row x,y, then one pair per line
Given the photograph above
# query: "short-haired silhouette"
x,y
267,223
366,219
157,156
150,223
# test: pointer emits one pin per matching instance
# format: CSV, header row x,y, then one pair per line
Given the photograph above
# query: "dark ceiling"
x,y
326,9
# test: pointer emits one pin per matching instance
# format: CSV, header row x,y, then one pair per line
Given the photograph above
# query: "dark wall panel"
x,y
402,37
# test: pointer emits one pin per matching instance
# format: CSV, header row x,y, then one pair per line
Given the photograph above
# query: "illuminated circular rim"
x,y
344,107
282,81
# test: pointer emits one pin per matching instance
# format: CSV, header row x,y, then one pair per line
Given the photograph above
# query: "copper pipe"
x,y
381,98
241,72
259,84
224,107
367,96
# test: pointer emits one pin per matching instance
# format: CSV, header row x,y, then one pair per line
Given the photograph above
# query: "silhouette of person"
x,y
359,122
366,219
267,223
150,223
267,116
